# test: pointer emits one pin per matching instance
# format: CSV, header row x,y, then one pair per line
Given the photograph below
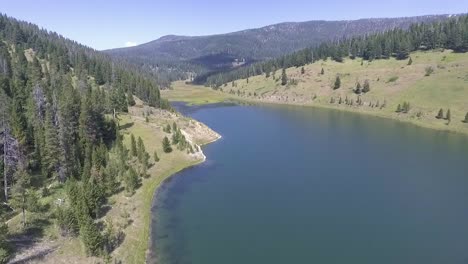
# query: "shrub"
x,y
429,71
392,79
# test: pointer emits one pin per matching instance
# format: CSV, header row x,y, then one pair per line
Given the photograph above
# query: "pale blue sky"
x,y
111,24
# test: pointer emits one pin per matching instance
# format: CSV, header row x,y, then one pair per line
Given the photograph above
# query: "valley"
x,y
321,141
392,83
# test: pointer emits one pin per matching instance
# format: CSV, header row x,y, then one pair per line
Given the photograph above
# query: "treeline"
x,y
397,43
66,56
58,103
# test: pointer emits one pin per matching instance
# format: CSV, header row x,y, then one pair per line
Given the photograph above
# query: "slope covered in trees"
x,y
449,34
59,106
182,57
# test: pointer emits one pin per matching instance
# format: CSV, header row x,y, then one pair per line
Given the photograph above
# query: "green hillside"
x,y
392,82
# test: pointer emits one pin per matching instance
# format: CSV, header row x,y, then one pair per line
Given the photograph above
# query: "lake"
x,y
306,185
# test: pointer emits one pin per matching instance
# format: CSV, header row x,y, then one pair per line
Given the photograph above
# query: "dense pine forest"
x,y
58,106
450,34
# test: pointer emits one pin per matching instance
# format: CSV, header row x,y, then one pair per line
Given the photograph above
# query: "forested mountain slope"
x,y
59,107
204,54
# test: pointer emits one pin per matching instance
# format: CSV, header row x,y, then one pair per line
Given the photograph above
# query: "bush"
x,y
429,71
5,254
392,79
112,238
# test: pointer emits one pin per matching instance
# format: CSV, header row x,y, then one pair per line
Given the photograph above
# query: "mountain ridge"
x,y
175,56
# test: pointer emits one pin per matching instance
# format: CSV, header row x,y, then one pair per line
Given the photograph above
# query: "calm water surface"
x,y
304,185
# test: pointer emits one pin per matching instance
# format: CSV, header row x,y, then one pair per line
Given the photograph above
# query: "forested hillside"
x,y
450,34
59,106
180,57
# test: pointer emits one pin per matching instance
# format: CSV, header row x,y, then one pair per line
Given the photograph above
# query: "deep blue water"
x,y
305,185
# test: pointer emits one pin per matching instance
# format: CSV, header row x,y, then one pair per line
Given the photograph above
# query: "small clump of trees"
x,y
405,108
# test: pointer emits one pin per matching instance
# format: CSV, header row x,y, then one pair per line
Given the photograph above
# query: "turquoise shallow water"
x,y
304,185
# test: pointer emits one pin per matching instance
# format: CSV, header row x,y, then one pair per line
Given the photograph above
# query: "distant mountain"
x,y
220,52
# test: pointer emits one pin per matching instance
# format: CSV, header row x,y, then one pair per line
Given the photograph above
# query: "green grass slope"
x,y
391,81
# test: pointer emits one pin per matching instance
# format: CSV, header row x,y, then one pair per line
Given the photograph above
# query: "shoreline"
x,y
149,254
354,111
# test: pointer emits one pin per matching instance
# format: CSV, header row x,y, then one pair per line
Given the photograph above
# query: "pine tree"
x,y
131,181
322,72
155,156
51,151
399,109
166,145
448,117
130,99
284,77
133,146
366,87
410,61
91,238
337,84
302,70
440,115
466,118
358,88
23,197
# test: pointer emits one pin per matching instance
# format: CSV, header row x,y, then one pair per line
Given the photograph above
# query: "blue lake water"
x,y
305,185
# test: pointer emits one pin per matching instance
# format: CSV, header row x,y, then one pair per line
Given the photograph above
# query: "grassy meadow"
x,y
391,81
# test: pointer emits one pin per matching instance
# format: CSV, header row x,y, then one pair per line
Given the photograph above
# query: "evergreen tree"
x,y
133,146
448,117
155,156
366,87
410,61
337,84
166,145
131,181
399,108
440,115
322,72
466,118
130,99
358,89
91,238
284,77
51,150
302,70
23,197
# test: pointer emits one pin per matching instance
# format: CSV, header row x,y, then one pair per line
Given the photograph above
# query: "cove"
x,y
305,185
